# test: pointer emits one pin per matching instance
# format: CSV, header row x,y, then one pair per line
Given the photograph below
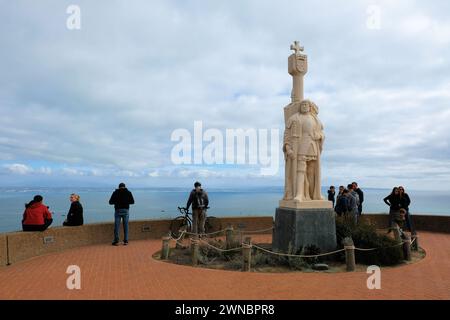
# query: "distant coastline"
x,y
161,203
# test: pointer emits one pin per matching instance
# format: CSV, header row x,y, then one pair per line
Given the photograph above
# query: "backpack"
x,y
341,205
199,200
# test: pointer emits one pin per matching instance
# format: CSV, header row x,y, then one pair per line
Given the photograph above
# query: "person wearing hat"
x,y
121,199
36,216
199,200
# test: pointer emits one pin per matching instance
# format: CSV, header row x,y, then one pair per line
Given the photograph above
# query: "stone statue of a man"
x,y
302,146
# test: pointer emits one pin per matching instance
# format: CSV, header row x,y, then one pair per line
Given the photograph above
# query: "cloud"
x,y
103,101
18,168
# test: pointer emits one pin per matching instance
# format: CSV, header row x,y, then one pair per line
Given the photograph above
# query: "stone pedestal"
x,y
302,227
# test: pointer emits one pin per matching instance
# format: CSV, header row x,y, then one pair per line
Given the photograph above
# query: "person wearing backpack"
x,y
199,200
341,207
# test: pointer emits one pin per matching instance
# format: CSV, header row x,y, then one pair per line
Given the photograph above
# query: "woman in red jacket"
x,y
36,217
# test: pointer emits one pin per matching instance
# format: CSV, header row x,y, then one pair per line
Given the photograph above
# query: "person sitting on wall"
x,y
75,215
36,216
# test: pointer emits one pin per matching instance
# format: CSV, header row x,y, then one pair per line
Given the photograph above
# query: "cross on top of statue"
x,y
296,47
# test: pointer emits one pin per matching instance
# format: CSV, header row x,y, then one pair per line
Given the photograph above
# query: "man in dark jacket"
x,y
361,196
121,199
199,200
331,193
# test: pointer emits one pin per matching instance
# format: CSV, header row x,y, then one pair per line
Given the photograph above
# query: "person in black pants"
x,y
331,193
121,199
405,201
393,201
75,215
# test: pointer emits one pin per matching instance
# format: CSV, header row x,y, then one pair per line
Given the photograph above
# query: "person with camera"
x,y
36,216
199,200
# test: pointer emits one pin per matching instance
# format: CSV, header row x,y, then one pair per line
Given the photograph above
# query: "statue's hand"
x,y
290,154
318,136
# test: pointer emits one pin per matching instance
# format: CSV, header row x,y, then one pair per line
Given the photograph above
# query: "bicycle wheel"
x,y
212,224
178,225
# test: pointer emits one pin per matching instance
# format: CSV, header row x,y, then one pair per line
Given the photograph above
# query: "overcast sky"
x,y
98,105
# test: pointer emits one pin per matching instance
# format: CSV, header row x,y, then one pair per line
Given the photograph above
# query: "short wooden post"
x,y
397,234
195,251
178,244
415,242
407,248
349,254
247,253
229,237
165,248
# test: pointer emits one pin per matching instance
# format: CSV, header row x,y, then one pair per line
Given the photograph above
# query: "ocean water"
x,y
161,203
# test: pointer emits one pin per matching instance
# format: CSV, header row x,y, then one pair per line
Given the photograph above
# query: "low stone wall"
x,y
421,222
248,223
25,245
19,246
3,250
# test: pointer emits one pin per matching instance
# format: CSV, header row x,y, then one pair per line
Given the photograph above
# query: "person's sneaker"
x,y
115,243
125,243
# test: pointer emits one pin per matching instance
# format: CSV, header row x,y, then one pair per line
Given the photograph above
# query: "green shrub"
x,y
209,252
365,236
235,263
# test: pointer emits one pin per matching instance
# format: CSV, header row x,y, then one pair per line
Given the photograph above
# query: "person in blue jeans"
x,y
121,199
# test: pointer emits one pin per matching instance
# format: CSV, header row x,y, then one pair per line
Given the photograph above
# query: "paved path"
x,y
130,273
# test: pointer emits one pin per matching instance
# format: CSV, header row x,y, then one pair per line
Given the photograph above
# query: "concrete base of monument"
x,y
295,228
311,204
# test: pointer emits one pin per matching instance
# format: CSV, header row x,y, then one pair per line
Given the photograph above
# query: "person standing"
x,y
199,200
331,193
360,195
405,201
393,201
75,215
342,206
353,202
121,199
36,216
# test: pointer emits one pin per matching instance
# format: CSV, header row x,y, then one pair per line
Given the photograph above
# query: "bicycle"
x,y
184,223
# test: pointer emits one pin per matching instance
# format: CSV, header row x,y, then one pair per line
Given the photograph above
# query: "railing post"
x,y
229,237
178,242
349,254
247,253
397,234
407,248
165,248
415,242
194,252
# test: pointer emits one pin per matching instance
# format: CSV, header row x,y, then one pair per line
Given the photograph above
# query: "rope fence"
x,y
220,249
246,246
296,255
224,230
